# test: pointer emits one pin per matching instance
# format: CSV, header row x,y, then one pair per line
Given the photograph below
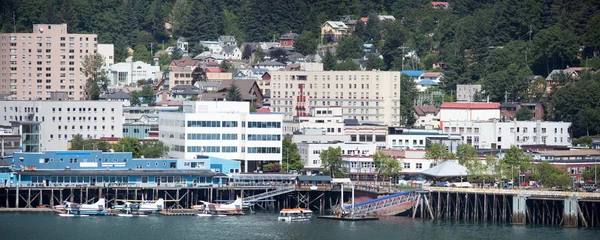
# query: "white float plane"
x,y
234,207
76,209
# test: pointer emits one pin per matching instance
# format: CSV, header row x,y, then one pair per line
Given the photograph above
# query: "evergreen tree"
x,y
233,93
141,53
306,43
329,61
68,16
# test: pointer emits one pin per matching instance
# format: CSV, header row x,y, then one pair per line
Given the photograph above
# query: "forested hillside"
x,y
498,43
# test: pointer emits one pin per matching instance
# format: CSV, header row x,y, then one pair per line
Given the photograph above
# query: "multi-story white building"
x,y
418,139
368,96
130,72
501,135
59,121
223,129
49,59
357,156
108,53
463,111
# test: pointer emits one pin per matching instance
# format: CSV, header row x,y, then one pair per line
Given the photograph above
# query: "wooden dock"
x,y
359,218
26,210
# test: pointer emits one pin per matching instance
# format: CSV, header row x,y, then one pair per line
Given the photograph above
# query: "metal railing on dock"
x,y
558,194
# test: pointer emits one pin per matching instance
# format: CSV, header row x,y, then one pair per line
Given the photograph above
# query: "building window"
x,y
406,165
419,165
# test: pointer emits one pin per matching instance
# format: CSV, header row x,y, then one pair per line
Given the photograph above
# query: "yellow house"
x,y
334,29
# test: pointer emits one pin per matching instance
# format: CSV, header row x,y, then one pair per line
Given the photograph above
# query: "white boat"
x,y
295,215
131,215
210,215
72,215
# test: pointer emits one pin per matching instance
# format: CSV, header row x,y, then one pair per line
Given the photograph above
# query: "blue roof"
x,y
413,73
427,83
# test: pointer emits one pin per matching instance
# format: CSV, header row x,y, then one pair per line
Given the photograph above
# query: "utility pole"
x,y
151,53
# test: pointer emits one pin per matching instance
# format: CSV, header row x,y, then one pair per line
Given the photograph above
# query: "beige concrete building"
x,y
33,65
368,96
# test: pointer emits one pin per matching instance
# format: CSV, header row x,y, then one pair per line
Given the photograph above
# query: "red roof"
x,y
440,3
364,19
184,62
470,105
263,110
212,70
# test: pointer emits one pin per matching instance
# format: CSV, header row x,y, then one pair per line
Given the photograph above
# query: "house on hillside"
x,y
441,5
466,92
184,92
508,110
427,116
333,30
287,40
231,53
413,74
248,88
432,76
252,74
270,65
227,41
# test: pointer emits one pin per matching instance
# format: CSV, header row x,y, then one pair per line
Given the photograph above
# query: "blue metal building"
x,y
80,168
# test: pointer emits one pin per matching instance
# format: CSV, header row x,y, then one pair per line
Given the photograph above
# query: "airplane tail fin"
x,y
160,202
100,201
238,202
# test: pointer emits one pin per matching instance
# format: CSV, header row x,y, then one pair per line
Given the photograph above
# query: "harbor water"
x,y
265,226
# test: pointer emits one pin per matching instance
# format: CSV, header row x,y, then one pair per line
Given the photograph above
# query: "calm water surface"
x,y
265,226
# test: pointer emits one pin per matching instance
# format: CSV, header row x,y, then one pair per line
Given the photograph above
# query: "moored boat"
x,y
295,215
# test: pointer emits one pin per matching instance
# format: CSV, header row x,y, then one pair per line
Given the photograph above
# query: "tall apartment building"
x,y
59,121
33,65
368,96
225,130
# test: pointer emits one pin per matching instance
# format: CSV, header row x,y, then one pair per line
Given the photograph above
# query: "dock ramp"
x,y
381,203
268,194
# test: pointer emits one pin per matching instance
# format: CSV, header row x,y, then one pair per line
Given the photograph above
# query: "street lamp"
x,y
287,159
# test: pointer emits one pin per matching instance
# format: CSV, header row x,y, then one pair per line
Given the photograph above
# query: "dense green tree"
x,y
329,61
259,55
408,95
349,47
551,176
144,96
233,93
128,144
279,55
97,81
590,173
347,65
153,149
306,43
331,160
67,15
141,53
436,152
386,166
374,62
291,156
517,160
524,114
225,66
